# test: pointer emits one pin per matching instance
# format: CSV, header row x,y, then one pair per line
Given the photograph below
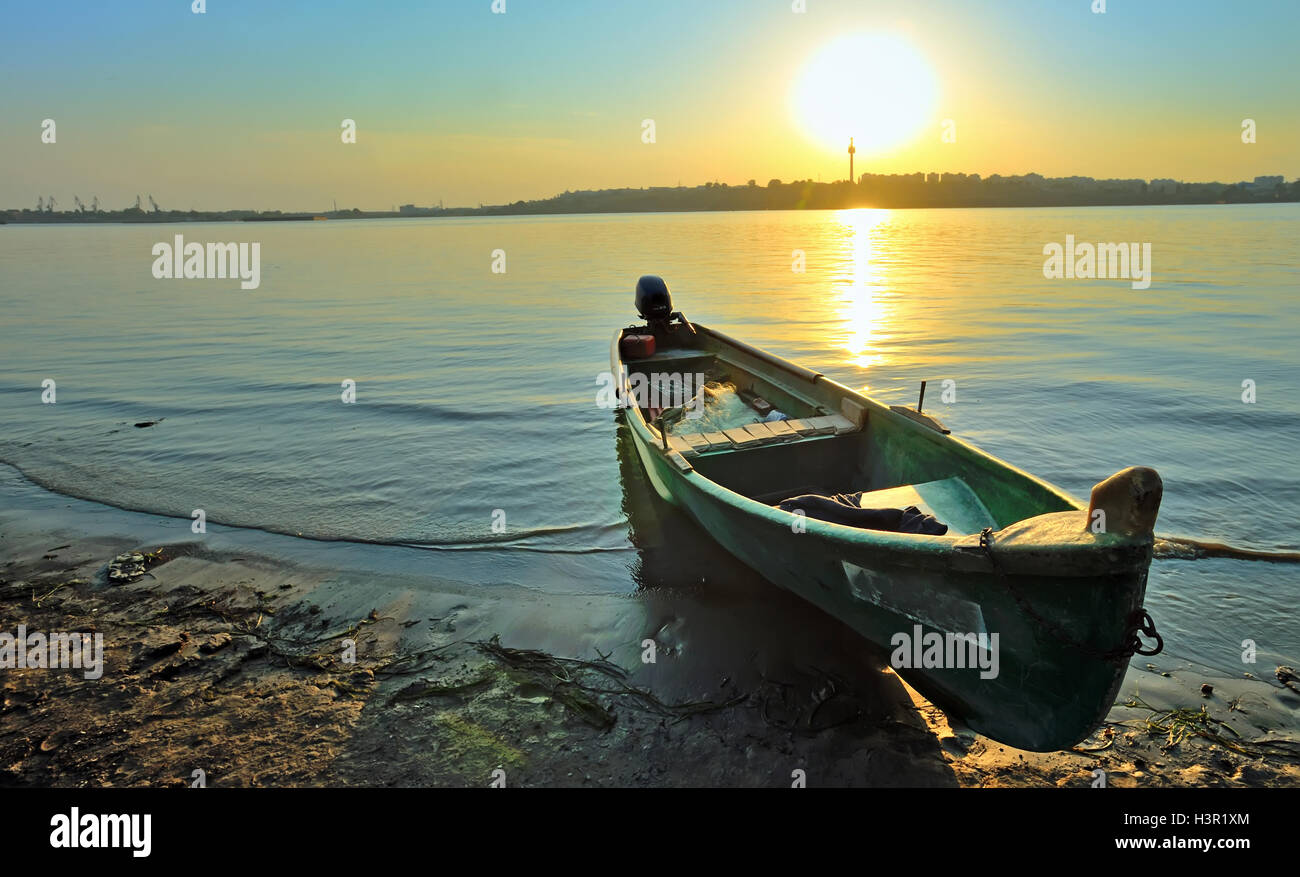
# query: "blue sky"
x,y
451,101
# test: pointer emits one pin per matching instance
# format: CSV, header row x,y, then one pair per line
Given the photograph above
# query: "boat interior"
x,y
821,441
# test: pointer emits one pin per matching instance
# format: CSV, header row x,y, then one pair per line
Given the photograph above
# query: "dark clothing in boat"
x,y
844,509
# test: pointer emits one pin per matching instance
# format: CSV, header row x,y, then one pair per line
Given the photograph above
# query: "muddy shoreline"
x,y
239,667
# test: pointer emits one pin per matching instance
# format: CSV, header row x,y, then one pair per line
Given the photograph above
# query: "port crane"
x,y
81,208
154,205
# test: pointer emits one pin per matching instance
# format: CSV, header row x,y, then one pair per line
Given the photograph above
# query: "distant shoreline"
x,y
893,192
166,218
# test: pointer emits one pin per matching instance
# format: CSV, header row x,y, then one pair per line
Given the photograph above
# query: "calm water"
x,y
476,390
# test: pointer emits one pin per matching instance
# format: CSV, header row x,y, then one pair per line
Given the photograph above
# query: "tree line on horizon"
x,y
904,191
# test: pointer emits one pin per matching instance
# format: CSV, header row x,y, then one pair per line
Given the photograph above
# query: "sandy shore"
x,y
236,665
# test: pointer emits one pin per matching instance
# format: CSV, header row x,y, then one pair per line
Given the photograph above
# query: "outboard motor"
x,y
652,299
655,305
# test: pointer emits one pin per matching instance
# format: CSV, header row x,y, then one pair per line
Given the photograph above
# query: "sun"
x,y
873,87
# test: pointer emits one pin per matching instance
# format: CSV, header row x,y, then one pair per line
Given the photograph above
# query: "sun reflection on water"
x,y
861,287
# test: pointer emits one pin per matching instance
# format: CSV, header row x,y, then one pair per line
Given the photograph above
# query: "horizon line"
x,y
752,183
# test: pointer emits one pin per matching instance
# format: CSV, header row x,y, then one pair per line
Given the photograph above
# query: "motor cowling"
x,y
652,299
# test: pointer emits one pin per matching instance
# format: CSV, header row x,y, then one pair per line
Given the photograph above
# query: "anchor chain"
x,y
1139,621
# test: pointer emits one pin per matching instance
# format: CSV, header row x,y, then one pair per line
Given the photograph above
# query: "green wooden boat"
x,y
1055,586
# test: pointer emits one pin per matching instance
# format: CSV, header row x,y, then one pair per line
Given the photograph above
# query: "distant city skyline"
x,y
243,106
917,189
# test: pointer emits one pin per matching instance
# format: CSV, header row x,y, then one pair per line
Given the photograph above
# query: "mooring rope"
x,y
1171,548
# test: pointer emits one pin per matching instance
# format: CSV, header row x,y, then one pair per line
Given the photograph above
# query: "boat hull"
x,y
1046,695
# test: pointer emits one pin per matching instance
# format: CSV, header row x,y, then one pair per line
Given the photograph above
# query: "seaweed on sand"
x,y
438,688
131,566
571,681
1179,724
41,599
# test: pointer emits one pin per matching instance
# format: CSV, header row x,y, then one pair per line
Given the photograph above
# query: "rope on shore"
x,y
1169,548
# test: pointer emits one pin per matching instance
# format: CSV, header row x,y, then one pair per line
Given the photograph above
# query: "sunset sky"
x,y
241,106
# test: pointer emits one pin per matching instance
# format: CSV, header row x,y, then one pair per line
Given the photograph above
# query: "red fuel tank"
x,y
637,346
